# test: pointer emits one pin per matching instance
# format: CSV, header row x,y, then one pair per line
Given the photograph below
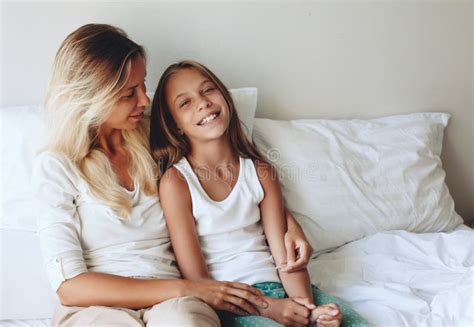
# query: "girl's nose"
x,y
204,104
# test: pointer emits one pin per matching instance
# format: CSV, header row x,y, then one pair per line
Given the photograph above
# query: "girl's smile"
x,y
209,119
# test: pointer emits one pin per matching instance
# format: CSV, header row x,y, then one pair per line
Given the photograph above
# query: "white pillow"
x,y
346,179
23,134
26,292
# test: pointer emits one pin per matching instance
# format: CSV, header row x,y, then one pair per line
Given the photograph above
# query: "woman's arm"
x,y
101,289
92,288
298,249
176,202
273,215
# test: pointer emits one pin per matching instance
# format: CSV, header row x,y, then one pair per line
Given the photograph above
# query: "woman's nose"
x,y
143,99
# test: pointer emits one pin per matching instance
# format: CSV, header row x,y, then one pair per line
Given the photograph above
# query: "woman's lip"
x,y
137,117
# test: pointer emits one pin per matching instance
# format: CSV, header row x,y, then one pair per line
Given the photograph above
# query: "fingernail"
x,y
264,304
334,312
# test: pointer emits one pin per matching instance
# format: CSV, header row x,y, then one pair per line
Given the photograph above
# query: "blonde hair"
x,y
90,69
167,144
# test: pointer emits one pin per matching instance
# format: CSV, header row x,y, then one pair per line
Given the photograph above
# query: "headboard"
x,y
308,59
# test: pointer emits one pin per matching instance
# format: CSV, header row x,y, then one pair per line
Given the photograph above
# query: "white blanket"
x,y
400,278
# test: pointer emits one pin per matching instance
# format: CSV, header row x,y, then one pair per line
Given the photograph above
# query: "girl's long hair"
x,y
91,67
167,145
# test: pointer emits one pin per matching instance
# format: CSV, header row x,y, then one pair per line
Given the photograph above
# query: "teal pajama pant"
x,y
350,318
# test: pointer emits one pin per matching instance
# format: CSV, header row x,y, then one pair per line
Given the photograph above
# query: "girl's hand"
x,y
298,249
326,315
238,298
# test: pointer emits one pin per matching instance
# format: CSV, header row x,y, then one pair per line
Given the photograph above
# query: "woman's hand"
x,y
298,249
238,298
288,312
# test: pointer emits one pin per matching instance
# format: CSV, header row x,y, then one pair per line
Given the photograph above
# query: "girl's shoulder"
x,y
173,187
172,180
263,168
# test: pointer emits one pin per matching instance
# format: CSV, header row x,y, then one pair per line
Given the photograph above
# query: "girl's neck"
x,y
212,154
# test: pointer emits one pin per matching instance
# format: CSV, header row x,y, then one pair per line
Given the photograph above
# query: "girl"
x,y
103,237
217,193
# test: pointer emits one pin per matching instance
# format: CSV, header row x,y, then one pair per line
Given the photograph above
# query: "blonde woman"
x,y
103,236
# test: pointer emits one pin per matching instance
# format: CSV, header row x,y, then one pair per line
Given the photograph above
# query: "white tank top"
x,y
230,231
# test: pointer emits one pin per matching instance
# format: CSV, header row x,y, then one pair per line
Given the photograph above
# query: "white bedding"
x,y
26,323
395,278
399,278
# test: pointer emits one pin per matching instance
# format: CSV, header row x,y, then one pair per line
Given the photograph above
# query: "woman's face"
x,y
196,104
129,109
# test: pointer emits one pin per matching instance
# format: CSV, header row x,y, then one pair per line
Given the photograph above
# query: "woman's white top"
x,y
79,233
230,231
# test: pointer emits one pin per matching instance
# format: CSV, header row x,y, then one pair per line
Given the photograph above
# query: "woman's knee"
x,y
182,311
95,315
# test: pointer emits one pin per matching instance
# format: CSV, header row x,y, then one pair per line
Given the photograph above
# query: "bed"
x,y
369,193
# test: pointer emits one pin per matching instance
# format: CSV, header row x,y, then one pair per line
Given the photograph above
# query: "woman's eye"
x,y
209,89
130,95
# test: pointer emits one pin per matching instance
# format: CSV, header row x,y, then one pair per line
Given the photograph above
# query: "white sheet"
x,y
400,278
26,323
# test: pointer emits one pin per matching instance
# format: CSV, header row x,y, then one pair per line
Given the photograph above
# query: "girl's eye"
x,y
184,103
209,89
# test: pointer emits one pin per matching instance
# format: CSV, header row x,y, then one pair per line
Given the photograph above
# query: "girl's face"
x,y
129,109
197,106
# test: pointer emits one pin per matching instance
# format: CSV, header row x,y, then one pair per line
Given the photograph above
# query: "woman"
x,y
102,232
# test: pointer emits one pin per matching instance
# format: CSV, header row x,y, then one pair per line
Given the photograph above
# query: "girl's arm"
x,y
273,215
176,202
298,249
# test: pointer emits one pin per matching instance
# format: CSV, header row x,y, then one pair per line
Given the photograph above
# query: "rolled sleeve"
x,y
58,223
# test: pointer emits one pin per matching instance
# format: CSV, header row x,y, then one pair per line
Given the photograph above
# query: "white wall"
x,y
337,59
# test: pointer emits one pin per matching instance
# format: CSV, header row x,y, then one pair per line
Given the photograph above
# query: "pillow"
x,y
23,134
26,292
347,179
